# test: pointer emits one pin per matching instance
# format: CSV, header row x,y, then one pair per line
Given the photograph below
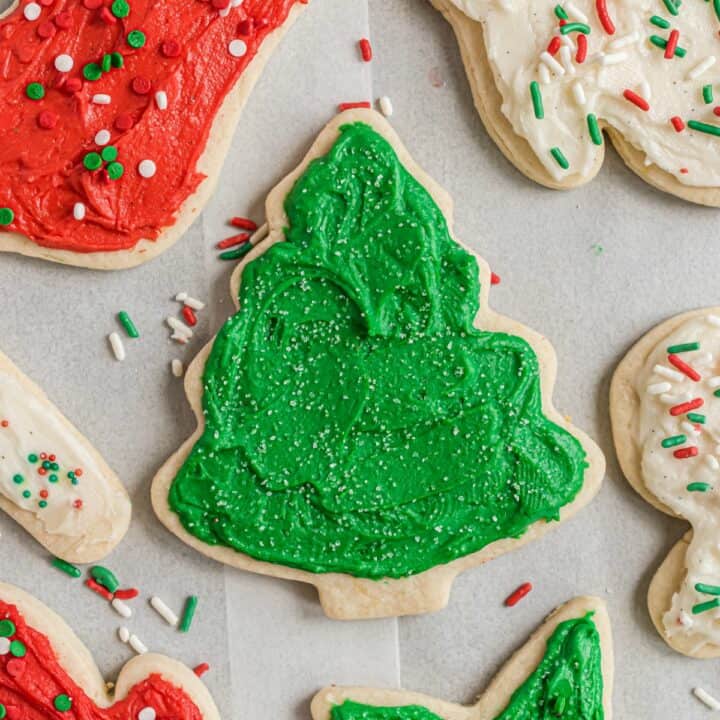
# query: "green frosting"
x,y
356,421
567,684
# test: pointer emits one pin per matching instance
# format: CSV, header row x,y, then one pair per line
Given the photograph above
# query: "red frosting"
x,y
29,686
44,142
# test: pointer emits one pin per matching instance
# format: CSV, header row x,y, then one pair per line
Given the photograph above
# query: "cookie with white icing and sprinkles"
x,y
663,401
552,80
565,670
53,482
46,671
121,114
366,423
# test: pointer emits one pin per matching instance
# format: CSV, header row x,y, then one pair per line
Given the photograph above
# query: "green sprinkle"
x,y
18,479
696,418
42,504
705,606
707,589
717,393
662,43
105,577
707,93
716,6
109,153
575,27
3,712
62,703
560,12
704,127
53,478
6,216
7,628
92,72
188,613
673,440
537,102
106,63
117,60
128,324
32,457
136,39
35,91
560,159
660,22
672,8
698,487
683,347
17,649
92,161
26,494
115,170
120,9
236,253
66,567
594,129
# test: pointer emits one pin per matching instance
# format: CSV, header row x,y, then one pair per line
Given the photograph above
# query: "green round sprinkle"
x,y
136,38
17,649
53,478
3,712
92,161
26,494
54,466
62,703
120,9
71,475
18,479
594,129
74,481
105,577
560,158
537,102
6,216
117,60
66,567
115,170
109,153
7,628
43,503
35,91
46,464
92,72
32,457
106,63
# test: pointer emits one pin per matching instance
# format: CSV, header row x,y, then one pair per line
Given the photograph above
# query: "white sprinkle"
x,y
101,99
137,645
567,40
147,713
675,399
579,93
566,57
645,90
544,74
181,297
658,388
706,698
685,619
161,100
702,359
79,211
147,168
552,63
179,327
64,63
191,302
102,137
575,12
689,428
123,634
624,41
386,107
179,337
4,646
668,373
714,382
117,346
32,11
177,367
712,462
613,59
237,48
701,67
163,611
121,608
713,320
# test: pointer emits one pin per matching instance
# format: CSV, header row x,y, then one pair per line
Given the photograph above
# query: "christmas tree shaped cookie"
x,y
52,481
366,423
46,672
564,671
663,401
550,79
116,116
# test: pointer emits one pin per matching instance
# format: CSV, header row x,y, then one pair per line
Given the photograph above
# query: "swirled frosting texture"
x,y
356,420
567,684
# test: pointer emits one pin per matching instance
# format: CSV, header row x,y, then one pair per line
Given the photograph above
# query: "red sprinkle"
x,y
47,120
684,171
366,49
682,408
604,15
716,110
244,224
672,44
4,423
554,45
677,123
78,472
141,85
170,48
99,589
43,494
684,367
686,452
124,121
233,241
201,669
518,595
78,504
92,4
582,46
635,99
63,20
189,315
494,279
127,594
46,29
342,107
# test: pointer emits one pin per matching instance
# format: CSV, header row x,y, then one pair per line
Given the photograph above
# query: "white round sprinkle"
x,y
32,11
101,99
102,137
237,48
161,100
123,634
147,168
147,713
79,211
4,646
64,63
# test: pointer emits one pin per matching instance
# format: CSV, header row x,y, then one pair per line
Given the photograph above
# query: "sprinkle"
x,y
136,39
560,159
386,107
365,49
551,63
604,15
117,346
554,45
675,399
161,100
123,634
596,137
677,123
137,645
713,320
660,22
147,168
716,7
79,211
66,567
342,107
624,41
537,102
177,367
99,589
147,713
101,99
163,611
64,63
179,327
514,598
689,428
235,254
237,48
714,382
494,278
683,454
102,137
686,406
544,74
635,99
575,12
659,388
32,11
697,418
189,315
560,12
105,577
201,669
707,589
712,462
707,93
233,241
704,127
579,93
127,594
244,223
179,337
662,44
613,59
671,6
683,347
703,607
575,27
672,44
706,698
566,58
582,46
674,440
698,487
192,302
667,372
121,608
684,368
128,324
701,67
188,613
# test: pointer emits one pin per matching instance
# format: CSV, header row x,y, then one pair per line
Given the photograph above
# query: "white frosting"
x,y
669,477
31,426
517,32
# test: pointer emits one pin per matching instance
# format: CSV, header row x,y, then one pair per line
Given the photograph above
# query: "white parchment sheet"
x,y
592,269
